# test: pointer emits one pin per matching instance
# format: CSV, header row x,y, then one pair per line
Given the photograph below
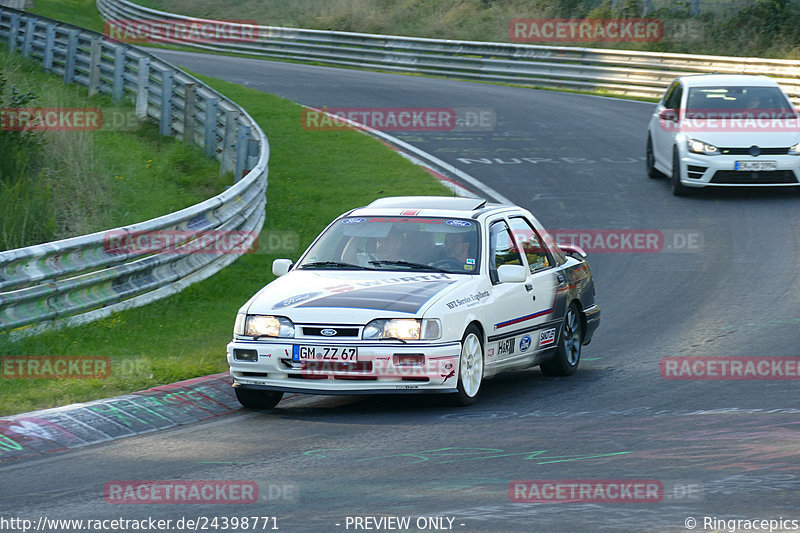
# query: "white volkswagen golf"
x,y
415,295
714,130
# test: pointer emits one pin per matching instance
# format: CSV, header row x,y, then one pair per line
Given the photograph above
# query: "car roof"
x,y
428,206
730,80
430,202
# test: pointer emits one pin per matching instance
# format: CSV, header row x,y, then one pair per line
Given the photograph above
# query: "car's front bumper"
x,y
376,370
720,171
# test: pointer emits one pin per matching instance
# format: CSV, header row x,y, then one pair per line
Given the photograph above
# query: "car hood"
x,y
745,139
308,296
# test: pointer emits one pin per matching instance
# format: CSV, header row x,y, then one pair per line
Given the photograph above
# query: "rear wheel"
x,y
677,187
470,367
258,399
650,161
568,353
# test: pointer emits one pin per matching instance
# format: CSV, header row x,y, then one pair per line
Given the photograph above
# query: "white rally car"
x,y
415,295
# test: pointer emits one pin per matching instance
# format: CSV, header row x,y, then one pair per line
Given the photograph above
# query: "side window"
x,y
535,251
674,99
502,250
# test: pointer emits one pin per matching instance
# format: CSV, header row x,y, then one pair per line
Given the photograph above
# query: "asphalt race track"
x,y
723,282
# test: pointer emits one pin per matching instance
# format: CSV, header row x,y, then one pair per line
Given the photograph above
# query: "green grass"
x,y
314,176
81,13
84,181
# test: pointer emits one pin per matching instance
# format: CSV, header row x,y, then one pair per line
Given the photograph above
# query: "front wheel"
x,y
258,399
470,367
568,353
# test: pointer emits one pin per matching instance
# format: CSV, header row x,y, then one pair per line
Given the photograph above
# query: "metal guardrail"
x,y
625,72
84,278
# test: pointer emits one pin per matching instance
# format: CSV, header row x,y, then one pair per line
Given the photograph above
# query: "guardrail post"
x,y
49,44
227,163
118,88
242,144
27,44
143,87
190,92
252,153
210,138
94,66
69,60
13,32
167,77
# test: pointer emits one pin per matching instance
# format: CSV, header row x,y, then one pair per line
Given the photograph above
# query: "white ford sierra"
x,y
415,295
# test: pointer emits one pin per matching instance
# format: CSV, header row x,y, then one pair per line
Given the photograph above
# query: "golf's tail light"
x,y
409,359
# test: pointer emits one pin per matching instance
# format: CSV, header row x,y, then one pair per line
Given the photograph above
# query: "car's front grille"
x,y
746,151
741,177
695,172
330,331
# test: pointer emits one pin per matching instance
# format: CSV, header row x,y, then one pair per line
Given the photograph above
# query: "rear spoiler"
x,y
573,250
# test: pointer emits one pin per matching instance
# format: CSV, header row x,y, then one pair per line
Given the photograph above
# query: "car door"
x,y
520,309
663,132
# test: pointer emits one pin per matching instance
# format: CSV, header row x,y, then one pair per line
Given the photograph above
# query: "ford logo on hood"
x,y
328,332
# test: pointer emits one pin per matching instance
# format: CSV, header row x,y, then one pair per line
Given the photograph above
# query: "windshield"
x,y
397,243
738,99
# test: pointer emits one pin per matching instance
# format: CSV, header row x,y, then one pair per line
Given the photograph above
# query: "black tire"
x,y
568,353
650,161
677,188
470,361
258,399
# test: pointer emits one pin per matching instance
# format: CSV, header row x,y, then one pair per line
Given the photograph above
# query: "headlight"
x,y
794,150
268,326
407,329
699,147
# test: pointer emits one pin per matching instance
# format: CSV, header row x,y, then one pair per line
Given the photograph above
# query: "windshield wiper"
x,y
422,266
335,264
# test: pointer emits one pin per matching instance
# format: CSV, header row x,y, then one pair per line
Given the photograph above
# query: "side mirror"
x,y
281,266
668,114
511,274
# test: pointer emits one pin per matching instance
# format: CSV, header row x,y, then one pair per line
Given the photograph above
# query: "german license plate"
x,y
756,165
324,353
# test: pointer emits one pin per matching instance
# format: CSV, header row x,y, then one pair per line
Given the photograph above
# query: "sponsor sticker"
x,y
506,346
547,337
294,300
525,343
459,223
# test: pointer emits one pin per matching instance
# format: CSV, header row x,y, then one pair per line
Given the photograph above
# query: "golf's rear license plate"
x,y
756,165
324,353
